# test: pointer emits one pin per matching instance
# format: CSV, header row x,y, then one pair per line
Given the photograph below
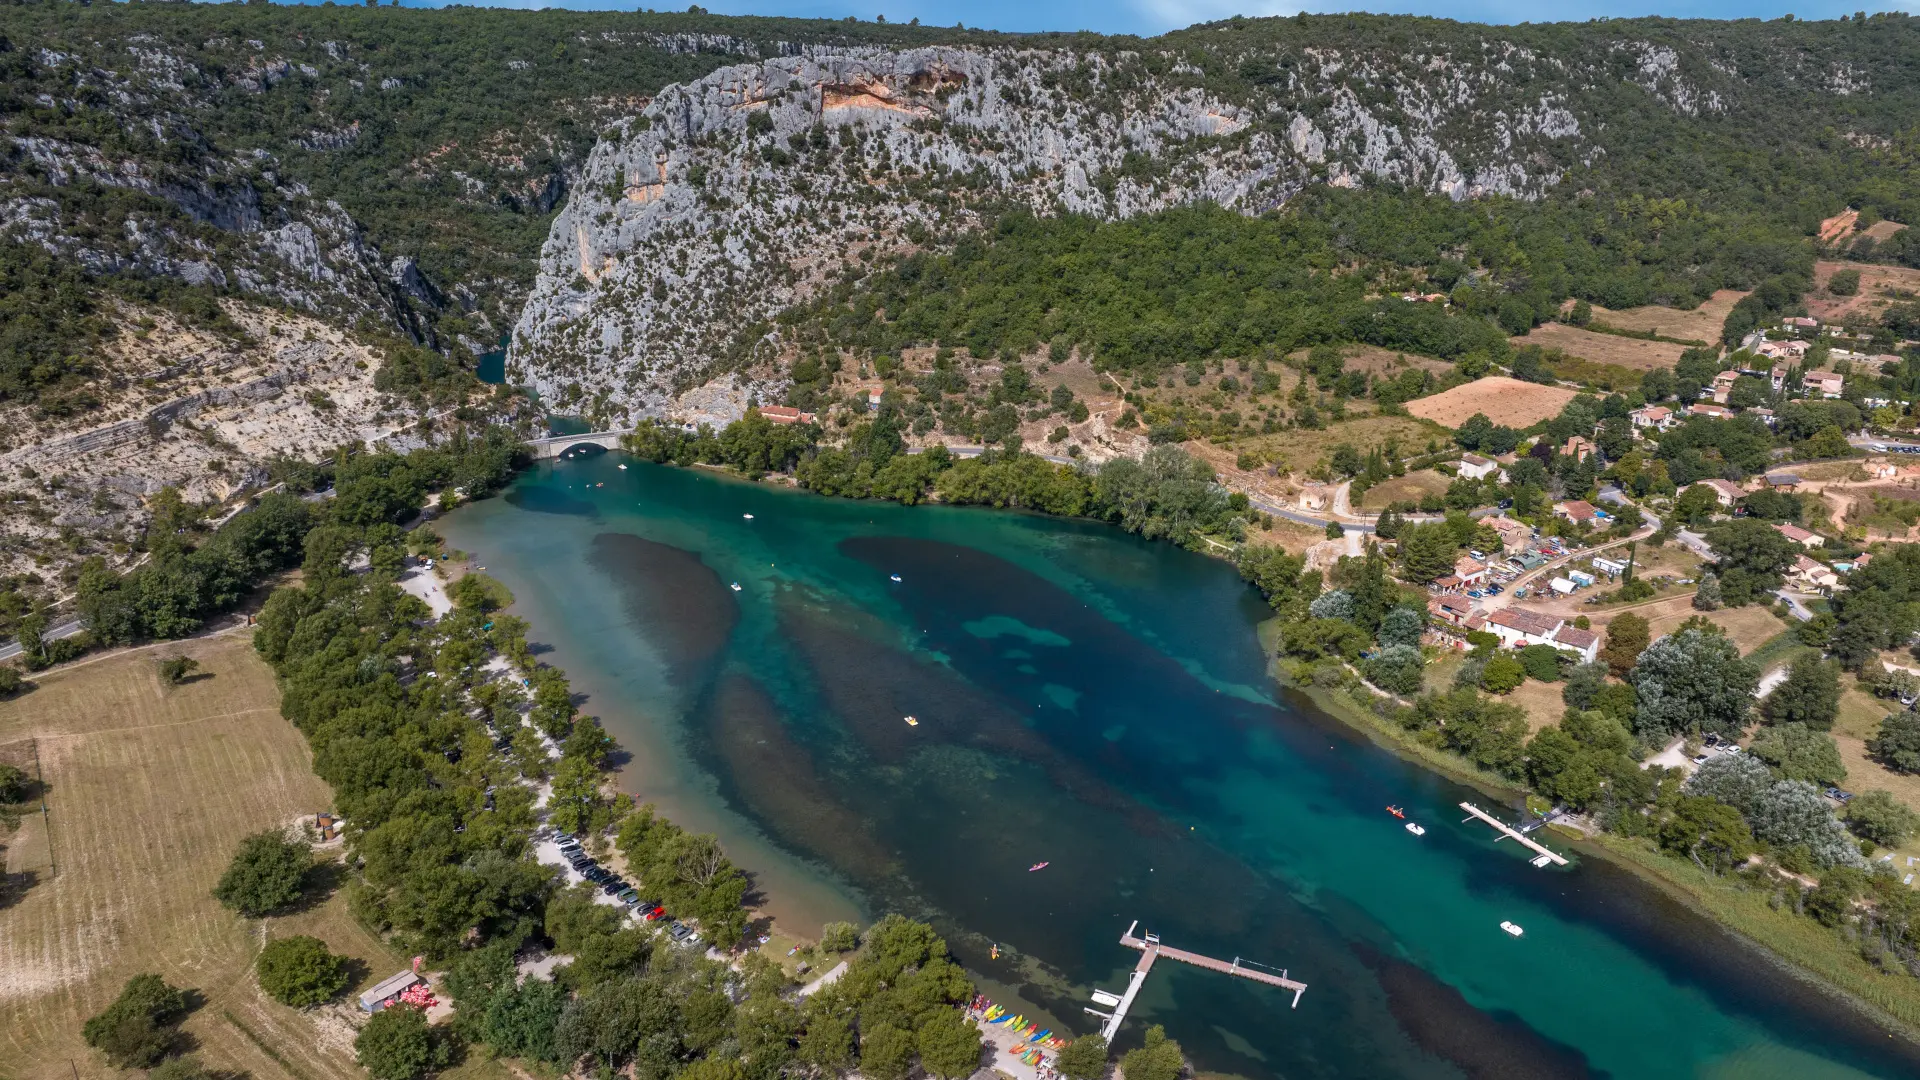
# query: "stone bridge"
x,y
557,445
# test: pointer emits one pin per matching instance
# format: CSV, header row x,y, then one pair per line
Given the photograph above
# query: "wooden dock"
x,y
1508,830
1151,950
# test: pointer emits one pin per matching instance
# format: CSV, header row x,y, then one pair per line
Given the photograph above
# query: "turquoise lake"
x,y
1100,703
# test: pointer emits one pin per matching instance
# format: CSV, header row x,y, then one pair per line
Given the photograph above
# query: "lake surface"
x,y
1100,703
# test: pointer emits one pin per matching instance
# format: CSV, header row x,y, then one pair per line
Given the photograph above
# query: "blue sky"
x,y
1156,16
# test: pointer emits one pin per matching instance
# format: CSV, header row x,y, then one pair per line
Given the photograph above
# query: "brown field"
x,y
1541,701
149,792
1701,324
1610,350
1749,626
1298,449
1505,401
1860,716
1876,284
1405,488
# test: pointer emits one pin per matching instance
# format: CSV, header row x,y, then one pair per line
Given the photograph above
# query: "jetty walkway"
x,y
1507,830
1151,949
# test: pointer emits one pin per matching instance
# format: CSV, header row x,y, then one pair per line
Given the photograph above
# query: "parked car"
x,y
614,886
652,912
628,897
1493,590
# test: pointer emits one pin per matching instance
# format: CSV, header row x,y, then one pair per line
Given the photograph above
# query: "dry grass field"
x,y
1876,284
1611,350
1749,626
1298,449
1408,488
1701,324
1505,401
149,791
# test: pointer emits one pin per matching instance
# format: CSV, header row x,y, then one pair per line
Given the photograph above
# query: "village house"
x,y
1782,481
1801,536
1315,496
1586,643
1778,376
785,414
1514,535
1579,511
1471,571
1579,447
1813,575
1765,415
1708,409
1475,467
1657,417
1800,322
1725,492
1783,350
1723,385
1451,610
1824,383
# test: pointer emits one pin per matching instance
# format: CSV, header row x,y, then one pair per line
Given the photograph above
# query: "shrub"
x,y
265,875
13,784
1542,662
137,1030
839,937
1897,744
174,670
299,971
1503,674
396,1045
1084,1058
11,681
1881,818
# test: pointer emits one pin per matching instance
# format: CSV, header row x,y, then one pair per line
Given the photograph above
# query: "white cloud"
x,y
1174,14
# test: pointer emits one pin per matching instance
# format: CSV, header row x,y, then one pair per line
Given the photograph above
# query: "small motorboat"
x,y
896,577
1037,866
1511,928
1396,812
911,722
748,517
623,468
736,586
1417,830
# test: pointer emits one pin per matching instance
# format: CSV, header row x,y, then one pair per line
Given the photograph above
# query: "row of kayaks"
x,y
1033,1039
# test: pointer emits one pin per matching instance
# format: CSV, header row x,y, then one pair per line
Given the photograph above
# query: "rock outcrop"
x,y
730,198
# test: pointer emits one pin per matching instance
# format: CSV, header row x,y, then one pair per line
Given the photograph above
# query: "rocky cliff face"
x,y
730,198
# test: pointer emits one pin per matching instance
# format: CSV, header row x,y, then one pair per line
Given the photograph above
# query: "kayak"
x,y
1038,866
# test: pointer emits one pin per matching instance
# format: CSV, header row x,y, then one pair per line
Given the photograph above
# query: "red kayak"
x,y
1396,811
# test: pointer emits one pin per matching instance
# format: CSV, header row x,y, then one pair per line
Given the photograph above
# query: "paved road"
x,y
65,630
1796,603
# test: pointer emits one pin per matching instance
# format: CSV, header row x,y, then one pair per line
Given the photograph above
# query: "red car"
x,y
654,912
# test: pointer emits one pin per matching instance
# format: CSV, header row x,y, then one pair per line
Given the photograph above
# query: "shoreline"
x,y
1819,965
1823,964
793,894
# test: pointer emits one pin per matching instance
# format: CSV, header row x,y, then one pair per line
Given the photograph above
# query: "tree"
x,y
1628,635
479,592
949,1044
1881,818
1897,744
1403,626
266,874
1332,604
13,783
1810,695
11,681
397,1045
1751,558
137,1030
299,971
1799,752
1427,552
1084,1058
1706,596
1692,681
1542,662
175,669
1502,674
1158,1059
1711,833
1737,780
827,1043
1396,669
520,1020
839,937
1792,813
886,1053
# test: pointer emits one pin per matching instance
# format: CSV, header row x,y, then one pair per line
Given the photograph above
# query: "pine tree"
x,y
1707,596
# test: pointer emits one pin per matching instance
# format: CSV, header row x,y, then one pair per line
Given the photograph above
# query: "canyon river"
x,y
1100,703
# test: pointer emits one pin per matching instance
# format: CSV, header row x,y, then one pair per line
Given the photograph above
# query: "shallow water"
x,y
1099,703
